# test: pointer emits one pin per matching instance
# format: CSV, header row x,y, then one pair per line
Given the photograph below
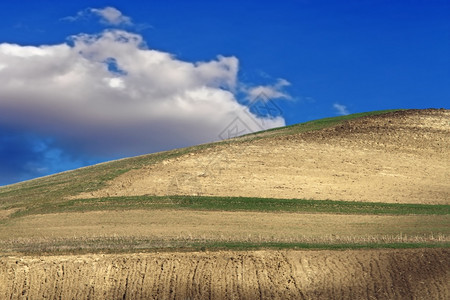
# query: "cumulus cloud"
x,y
110,95
108,15
111,16
274,91
341,109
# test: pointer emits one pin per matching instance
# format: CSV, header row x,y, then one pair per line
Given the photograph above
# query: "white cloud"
x,y
156,102
108,15
23,51
274,91
115,82
80,15
111,16
341,109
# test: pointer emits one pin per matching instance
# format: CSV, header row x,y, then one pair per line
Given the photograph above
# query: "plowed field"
x,y
382,274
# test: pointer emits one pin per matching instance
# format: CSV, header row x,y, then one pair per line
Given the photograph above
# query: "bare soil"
x,y
400,157
362,274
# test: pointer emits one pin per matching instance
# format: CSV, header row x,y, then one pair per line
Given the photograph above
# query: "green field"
x,y
201,203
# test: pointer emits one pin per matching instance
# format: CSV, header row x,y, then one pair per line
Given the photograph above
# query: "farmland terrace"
x,y
348,207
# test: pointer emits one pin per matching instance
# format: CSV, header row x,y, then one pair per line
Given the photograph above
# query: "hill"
x,y
372,184
400,157
379,168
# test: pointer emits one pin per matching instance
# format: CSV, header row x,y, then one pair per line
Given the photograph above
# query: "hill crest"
x,y
399,156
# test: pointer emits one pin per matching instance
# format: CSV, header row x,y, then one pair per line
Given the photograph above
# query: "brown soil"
x,y
4,214
382,274
398,157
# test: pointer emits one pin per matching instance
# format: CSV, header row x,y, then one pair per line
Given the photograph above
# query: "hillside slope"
x,y
400,157
238,192
98,232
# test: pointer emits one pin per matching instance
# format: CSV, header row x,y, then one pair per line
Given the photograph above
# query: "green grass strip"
x,y
233,204
311,246
64,249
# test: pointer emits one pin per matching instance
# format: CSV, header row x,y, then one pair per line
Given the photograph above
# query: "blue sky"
x,y
89,81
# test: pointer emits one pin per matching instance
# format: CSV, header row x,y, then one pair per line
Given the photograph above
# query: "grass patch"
x,y
127,245
233,204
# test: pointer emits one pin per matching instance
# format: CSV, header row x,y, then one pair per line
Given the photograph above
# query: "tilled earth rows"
x,y
356,274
